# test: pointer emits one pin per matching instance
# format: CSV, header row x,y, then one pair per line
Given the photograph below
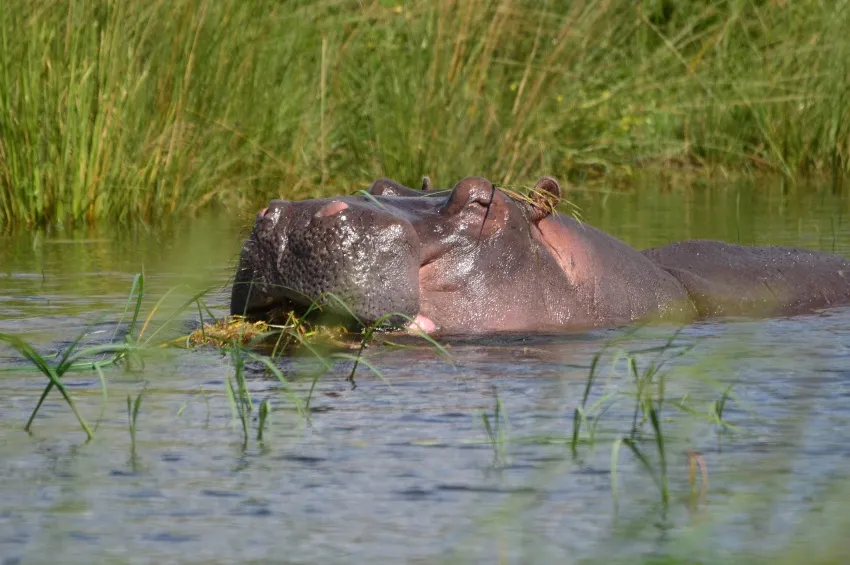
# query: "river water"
x,y
401,468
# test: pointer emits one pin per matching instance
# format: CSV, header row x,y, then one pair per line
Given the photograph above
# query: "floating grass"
x,y
275,339
234,329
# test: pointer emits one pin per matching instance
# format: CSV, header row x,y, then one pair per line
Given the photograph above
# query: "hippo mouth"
x,y
329,310
421,323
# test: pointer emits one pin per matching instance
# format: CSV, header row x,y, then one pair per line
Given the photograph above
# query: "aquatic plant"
x,y
133,415
258,343
128,350
637,384
90,358
649,447
495,426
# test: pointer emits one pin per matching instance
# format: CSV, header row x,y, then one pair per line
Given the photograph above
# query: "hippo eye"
x,y
468,192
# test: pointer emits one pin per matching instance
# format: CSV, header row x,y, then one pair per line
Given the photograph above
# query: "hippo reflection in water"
x,y
476,259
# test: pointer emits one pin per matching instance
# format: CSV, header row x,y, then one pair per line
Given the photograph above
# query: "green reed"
x,y
135,111
237,392
646,438
265,411
496,428
133,416
297,332
89,358
129,351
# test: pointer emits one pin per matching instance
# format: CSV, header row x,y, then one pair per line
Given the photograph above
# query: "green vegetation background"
x,y
138,110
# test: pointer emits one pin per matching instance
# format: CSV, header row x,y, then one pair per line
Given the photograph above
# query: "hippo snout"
x,y
351,256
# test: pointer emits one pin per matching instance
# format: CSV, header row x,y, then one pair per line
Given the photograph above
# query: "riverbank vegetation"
x,y
134,111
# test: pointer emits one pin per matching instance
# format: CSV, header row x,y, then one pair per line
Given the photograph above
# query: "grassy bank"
x,y
139,110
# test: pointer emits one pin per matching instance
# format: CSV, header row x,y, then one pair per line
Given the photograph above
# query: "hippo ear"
x,y
545,197
388,187
426,183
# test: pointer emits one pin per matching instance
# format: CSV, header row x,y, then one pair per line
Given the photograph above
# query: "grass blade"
x,y
31,355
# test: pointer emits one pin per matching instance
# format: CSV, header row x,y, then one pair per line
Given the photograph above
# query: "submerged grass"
x,y
143,110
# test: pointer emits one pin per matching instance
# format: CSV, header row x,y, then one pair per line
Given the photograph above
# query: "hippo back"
x,y
724,279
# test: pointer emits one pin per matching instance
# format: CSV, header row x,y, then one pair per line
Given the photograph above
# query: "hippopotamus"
x,y
479,258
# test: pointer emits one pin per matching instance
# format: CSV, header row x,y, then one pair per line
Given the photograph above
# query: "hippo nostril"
x,y
274,211
334,207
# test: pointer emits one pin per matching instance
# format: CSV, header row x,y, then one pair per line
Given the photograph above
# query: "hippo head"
x,y
469,259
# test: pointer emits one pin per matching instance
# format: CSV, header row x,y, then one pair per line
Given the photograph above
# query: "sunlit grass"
x,y
136,111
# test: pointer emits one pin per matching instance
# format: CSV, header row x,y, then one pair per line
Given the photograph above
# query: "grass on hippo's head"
x,y
536,196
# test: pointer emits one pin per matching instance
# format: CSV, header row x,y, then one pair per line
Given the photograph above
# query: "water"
x,y
401,469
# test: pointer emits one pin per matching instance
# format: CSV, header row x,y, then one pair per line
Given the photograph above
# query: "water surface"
x,y
401,469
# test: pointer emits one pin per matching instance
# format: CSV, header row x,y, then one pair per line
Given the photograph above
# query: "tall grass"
x,y
140,110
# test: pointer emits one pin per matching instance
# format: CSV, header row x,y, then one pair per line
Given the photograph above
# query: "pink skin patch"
x,y
568,248
331,208
422,324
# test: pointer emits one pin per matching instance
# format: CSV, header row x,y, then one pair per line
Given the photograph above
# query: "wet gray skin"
x,y
299,252
477,260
